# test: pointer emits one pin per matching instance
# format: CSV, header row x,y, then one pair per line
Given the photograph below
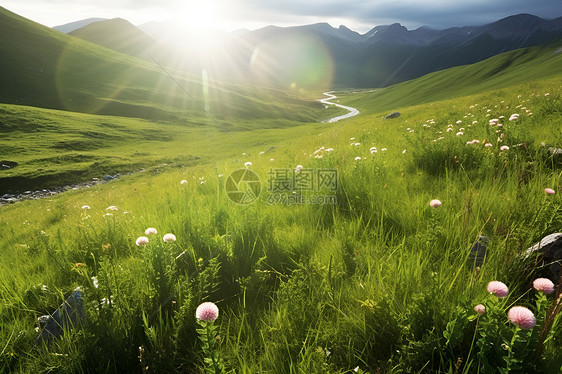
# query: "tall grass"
x,y
378,282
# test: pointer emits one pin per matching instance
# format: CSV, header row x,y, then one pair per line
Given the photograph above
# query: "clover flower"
x,y
141,240
169,238
207,311
480,309
497,288
522,317
150,231
549,191
435,203
543,285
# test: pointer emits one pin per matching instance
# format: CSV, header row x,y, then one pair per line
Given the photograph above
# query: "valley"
x,y
328,236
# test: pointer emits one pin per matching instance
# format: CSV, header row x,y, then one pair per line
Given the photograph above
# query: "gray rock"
x,y
478,251
271,148
68,315
107,178
550,256
393,115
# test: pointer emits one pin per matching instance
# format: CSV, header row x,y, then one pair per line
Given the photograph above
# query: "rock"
x,y
478,251
271,148
5,165
68,315
550,256
393,115
107,178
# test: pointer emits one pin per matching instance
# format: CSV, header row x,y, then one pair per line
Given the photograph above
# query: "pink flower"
x,y
480,309
498,288
549,191
504,148
207,311
141,240
169,238
543,285
150,231
435,203
522,317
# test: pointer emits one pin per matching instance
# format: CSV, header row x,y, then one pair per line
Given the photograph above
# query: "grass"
x,y
373,281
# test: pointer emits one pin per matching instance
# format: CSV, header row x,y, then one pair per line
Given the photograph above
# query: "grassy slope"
x,y
373,280
45,68
116,34
504,70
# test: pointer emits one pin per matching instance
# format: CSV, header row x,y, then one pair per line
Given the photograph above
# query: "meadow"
x,y
377,282
363,266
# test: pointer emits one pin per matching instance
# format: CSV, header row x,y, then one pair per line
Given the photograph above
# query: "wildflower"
x,y
113,207
183,181
404,152
357,158
449,129
514,117
151,231
543,285
248,164
480,309
460,133
383,149
261,153
169,238
522,317
504,148
549,191
207,311
494,121
459,122
488,145
435,203
497,288
298,169
95,282
271,159
85,207
329,149
141,240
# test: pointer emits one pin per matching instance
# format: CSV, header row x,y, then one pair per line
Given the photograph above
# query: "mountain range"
x,y
383,56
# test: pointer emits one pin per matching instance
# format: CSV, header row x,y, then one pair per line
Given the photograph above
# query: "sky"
x,y
229,15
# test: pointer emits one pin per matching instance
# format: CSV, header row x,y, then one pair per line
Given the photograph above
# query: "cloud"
x,y
363,13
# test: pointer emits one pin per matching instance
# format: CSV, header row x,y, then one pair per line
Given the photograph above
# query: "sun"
x,y
200,14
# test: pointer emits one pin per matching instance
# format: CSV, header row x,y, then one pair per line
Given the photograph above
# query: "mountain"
x,y
117,34
45,68
68,27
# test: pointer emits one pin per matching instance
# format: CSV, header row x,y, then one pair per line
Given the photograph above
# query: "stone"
x,y
549,261
478,251
69,314
107,178
393,115
5,165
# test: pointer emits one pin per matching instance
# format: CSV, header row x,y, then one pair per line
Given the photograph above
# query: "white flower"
x,y
357,158
298,169
248,164
504,148
183,181
169,238
113,207
85,207
150,231
141,240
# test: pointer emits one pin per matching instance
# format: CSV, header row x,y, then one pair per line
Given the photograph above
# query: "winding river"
x,y
326,101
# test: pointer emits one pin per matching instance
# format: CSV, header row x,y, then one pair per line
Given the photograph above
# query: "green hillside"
x,y
501,71
45,68
117,34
